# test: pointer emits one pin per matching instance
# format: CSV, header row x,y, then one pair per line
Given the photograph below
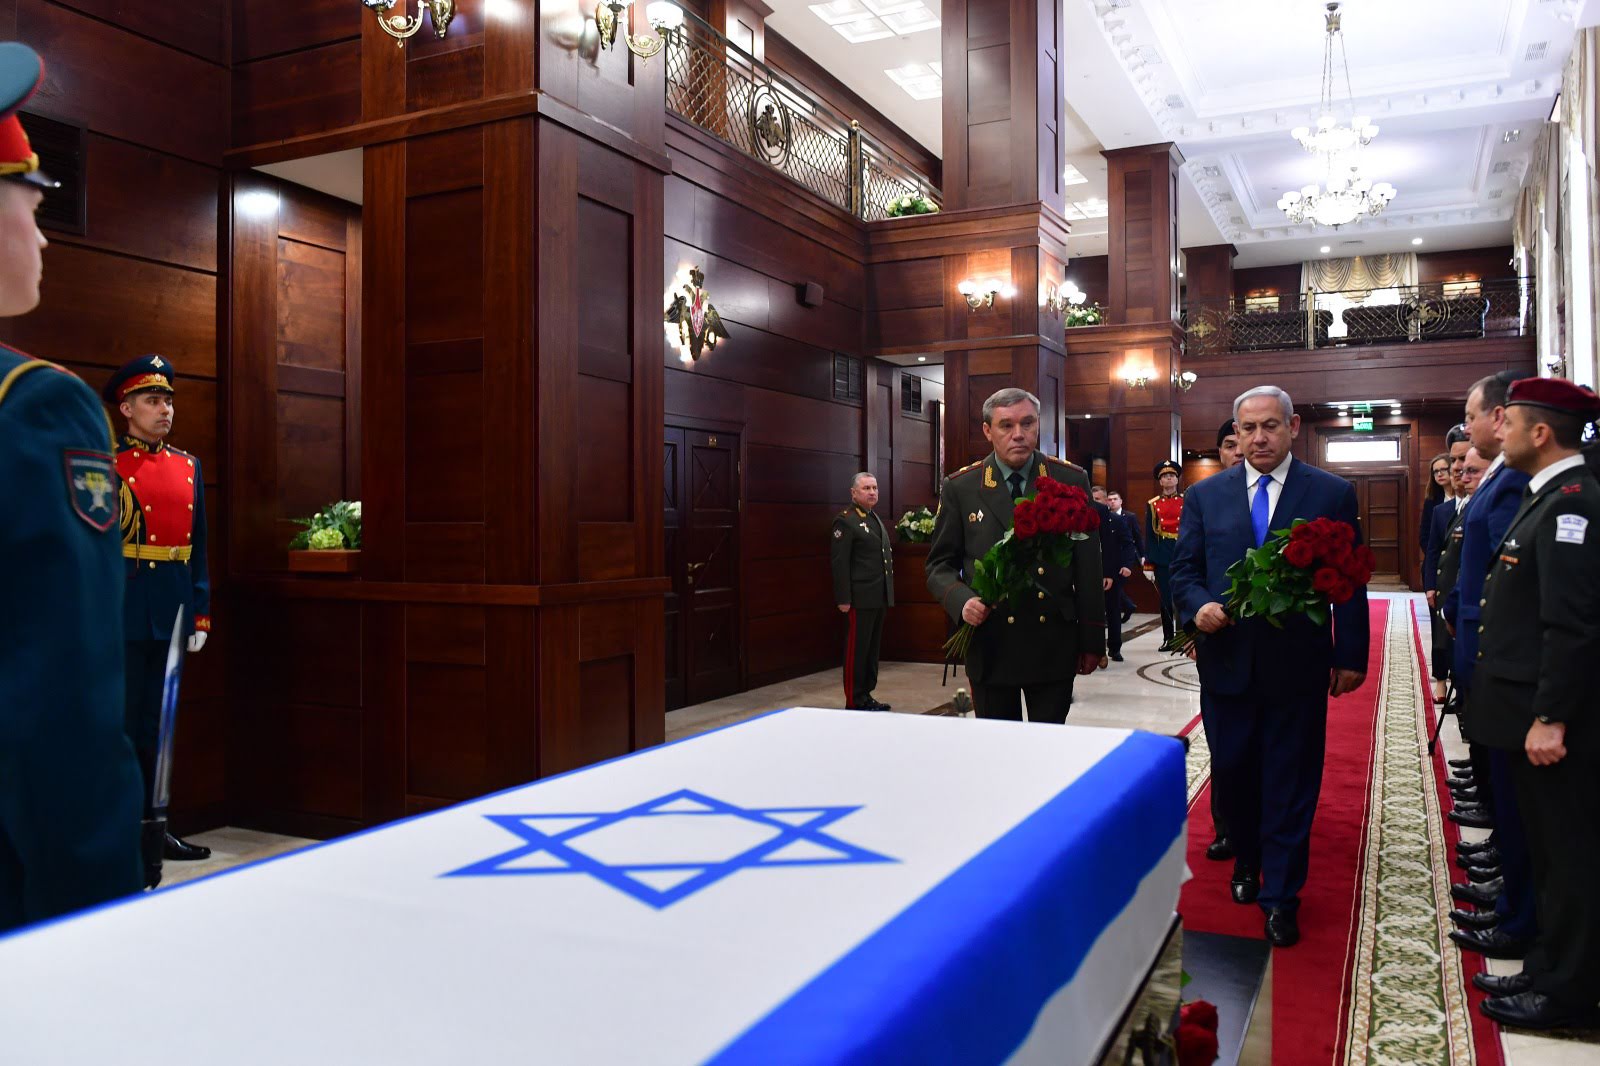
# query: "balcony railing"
x,y
721,88
1434,312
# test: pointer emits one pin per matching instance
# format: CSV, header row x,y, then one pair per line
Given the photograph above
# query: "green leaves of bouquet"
x,y
915,527
1083,315
336,526
912,205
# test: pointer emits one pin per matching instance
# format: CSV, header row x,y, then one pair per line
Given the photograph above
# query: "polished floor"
x,y
1149,690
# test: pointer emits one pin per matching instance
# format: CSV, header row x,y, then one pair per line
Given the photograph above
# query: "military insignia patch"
x,y
838,533
1571,490
1571,528
92,487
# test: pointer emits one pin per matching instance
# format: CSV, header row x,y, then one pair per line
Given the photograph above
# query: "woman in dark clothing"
x,y
1438,491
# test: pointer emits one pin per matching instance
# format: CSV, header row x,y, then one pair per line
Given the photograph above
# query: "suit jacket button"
x,y
1483,602
1041,595
1041,618
1012,620
152,566
1041,571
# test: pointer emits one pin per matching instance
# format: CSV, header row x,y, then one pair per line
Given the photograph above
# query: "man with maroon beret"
x,y
1538,641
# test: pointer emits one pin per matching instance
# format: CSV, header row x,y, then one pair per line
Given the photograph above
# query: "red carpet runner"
x,y
1309,980
1315,996
1485,1034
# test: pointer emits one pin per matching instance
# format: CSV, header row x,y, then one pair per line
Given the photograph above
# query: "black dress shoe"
x,y
1125,616
1459,764
1283,928
874,705
183,851
1459,780
1490,943
1482,857
1471,820
1510,984
1535,1010
1245,885
1476,847
1116,657
1466,795
1482,896
1219,849
1475,919
1481,875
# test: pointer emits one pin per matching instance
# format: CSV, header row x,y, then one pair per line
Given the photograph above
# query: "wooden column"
x,y
1209,272
505,624
1142,243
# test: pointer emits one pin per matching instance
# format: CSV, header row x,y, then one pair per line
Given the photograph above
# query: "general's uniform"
x,y
69,785
1031,647
862,558
1538,641
1163,514
163,529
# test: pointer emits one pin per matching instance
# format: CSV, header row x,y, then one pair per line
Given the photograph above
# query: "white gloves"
x,y
197,640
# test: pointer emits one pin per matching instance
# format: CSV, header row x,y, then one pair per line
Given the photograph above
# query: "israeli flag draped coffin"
x,y
811,886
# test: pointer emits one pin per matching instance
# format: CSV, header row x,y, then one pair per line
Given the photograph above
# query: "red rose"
x,y
1326,579
1047,487
1023,520
1341,592
1344,532
1338,556
1298,553
1199,1013
1197,1046
1302,532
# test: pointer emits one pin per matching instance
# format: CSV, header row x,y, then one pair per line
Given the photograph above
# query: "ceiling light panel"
x,y
1073,176
858,21
1093,207
919,80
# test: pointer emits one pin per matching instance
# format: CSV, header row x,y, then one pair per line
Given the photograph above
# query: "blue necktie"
x,y
1261,510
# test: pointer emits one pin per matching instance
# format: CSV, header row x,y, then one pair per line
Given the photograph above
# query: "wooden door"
x,y
1382,499
702,553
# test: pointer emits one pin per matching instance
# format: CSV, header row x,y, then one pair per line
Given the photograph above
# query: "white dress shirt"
x,y
1252,484
1553,471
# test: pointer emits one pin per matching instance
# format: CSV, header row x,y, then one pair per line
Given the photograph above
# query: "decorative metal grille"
x,y
719,87
1440,311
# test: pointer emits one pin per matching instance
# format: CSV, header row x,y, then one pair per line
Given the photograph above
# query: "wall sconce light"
x,y
1066,295
982,293
698,324
1185,381
403,26
1139,378
666,18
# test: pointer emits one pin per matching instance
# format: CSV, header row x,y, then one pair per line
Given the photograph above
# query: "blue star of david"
x,y
793,829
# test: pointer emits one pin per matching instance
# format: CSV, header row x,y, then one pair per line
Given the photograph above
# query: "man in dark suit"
x,y
1264,691
69,784
1445,516
1119,557
1533,698
862,558
1039,646
1483,524
1131,524
1220,849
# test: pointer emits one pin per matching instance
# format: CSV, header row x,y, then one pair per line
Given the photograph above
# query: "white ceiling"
x,y
338,173
1445,80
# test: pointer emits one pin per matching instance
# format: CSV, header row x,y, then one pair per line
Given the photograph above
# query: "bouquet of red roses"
x,y
1043,529
1306,569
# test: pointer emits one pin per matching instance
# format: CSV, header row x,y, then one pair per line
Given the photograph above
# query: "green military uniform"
x,y
863,576
1538,643
1030,647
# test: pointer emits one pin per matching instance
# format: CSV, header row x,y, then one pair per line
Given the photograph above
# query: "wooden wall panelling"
x,y
264,28
1483,264
309,91
252,377
1091,274
1209,270
508,351
383,409
1142,191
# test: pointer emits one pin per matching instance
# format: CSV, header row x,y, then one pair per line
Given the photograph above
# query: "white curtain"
x,y
1536,234
1580,221
1361,281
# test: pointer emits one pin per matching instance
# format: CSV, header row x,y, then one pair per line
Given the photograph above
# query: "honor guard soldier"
x,y
1035,648
863,588
164,551
1533,698
69,785
1162,515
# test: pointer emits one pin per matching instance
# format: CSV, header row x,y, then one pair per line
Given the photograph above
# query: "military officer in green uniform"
x,y
863,588
69,785
1538,641
1034,648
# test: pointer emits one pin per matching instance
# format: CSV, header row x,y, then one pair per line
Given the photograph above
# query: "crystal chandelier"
x,y
1345,195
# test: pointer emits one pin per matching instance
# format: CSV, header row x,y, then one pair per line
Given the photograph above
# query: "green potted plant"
x,y
915,527
911,205
330,542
